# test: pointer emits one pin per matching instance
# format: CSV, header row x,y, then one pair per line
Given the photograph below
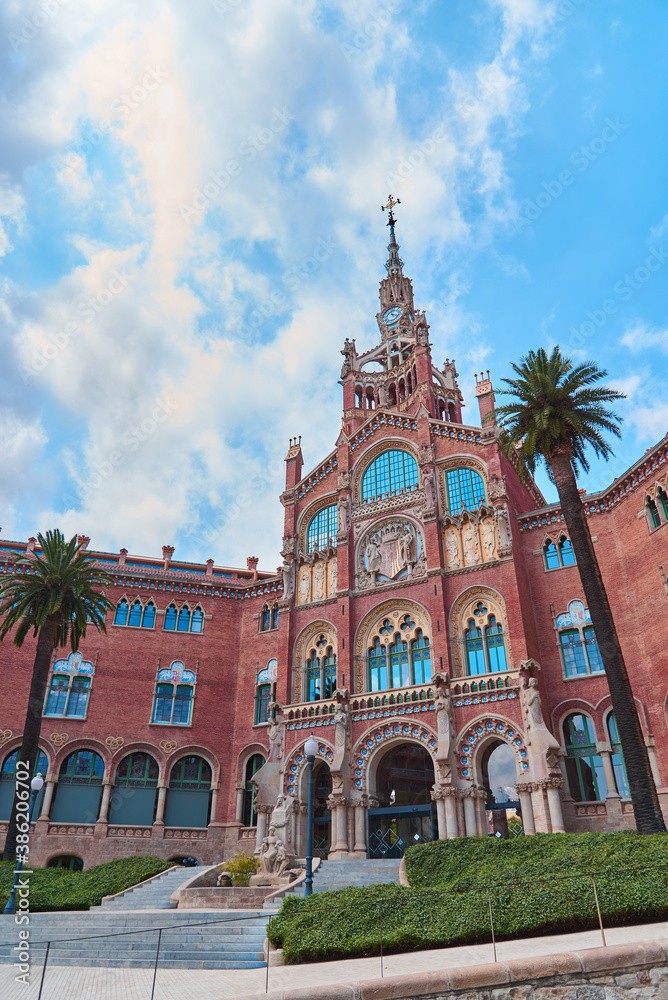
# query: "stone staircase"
x,y
123,932
333,875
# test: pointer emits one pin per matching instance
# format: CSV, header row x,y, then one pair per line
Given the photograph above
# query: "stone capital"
x,y
334,801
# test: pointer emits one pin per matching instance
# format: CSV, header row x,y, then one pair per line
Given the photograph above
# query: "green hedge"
x,y
448,901
59,889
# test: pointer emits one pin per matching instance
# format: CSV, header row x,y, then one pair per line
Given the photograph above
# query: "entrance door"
x,y
404,817
322,820
392,830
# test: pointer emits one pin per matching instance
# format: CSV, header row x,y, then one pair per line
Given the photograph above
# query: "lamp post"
x,y
311,749
35,788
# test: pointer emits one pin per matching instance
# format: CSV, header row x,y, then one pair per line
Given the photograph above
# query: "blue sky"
x,y
169,171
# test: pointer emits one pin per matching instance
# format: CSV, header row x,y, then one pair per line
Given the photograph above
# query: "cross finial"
x,y
391,202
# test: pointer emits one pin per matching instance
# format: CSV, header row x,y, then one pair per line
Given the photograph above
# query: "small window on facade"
x,y
183,621
173,700
170,618
586,780
148,619
265,619
617,758
322,529
580,652
78,699
560,554
8,783
653,518
663,500
474,650
274,617
135,615
551,556
496,649
121,616
68,861
377,667
466,490
197,620
67,696
566,551
262,706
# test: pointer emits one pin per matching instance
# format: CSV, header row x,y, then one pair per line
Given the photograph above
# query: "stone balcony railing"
x,y
484,688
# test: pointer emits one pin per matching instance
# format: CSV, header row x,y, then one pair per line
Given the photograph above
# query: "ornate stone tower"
x,y
399,373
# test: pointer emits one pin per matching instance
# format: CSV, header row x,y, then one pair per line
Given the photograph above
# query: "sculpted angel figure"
x,y
452,548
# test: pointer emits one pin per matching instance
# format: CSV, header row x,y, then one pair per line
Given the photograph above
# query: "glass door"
x,y
393,830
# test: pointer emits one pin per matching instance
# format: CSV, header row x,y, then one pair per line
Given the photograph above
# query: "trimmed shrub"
x,y
241,867
60,889
536,885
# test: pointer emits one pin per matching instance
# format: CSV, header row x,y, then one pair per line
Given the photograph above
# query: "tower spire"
x,y
394,262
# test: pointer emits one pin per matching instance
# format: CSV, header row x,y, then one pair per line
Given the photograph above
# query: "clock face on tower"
x,y
392,314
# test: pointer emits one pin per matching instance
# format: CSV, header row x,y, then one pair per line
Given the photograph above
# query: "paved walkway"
x,y
63,983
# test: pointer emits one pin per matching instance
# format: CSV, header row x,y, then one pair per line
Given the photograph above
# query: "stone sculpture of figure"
x,y
487,532
318,580
444,718
275,740
304,584
288,578
429,487
280,816
344,513
422,336
452,548
408,547
471,555
350,356
503,529
382,394
273,856
373,556
332,576
538,736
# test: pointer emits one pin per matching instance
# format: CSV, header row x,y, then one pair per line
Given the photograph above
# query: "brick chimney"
x,y
167,553
251,563
209,567
485,395
122,557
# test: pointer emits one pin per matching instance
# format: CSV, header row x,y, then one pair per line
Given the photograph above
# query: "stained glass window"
x,y
496,649
392,472
263,699
593,654
421,659
466,490
57,700
572,651
322,529
173,707
78,699
377,667
475,652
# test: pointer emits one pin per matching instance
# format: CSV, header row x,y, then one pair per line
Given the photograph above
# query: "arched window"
x,y
189,793
134,618
496,648
170,618
69,861
265,619
197,620
148,619
121,616
617,758
551,556
68,696
8,783
134,796
391,472
652,513
313,677
584,767
399,665
253,765
566,552
262,704
183,621
421,654
466,490
79,788
322,528
663,500
377,667
329,673
275,616
475,653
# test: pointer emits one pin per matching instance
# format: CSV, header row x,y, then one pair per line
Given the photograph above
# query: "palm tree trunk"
x,y
646,807
46,643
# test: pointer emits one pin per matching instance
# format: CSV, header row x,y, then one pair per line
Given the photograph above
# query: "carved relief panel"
x,y
317,577
388,552
470,539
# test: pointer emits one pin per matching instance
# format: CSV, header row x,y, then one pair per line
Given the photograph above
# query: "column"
x,y
103,816
239,813
469,813
554,786
523,790
649,743
214,804
262,815
46,801
451,812
608,771
360,806
337,805
437,797
481,812
540,813
160,808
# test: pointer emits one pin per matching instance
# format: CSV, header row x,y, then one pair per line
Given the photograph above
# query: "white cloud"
x,y
12,215
643,337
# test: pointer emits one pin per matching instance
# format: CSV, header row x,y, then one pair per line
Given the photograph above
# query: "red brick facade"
x,y
406,551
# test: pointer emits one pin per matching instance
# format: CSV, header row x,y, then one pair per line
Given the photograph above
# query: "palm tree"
x,y
558,411
56,596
